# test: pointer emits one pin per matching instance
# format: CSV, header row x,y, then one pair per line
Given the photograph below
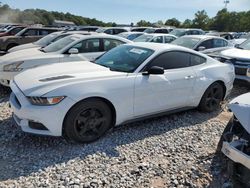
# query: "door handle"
x,y
189,77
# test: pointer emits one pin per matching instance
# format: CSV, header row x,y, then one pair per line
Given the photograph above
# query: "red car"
x,y
12,31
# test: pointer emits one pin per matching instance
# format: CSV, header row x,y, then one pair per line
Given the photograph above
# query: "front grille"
x,y
241,71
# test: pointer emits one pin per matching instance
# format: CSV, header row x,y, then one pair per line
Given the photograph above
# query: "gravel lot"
x,y
171,151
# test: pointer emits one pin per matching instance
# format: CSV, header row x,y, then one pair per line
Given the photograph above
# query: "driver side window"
x,y
171,60
87,46
158,39
207,44
31,32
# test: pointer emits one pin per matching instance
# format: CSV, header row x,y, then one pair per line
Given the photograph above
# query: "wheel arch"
x,y
223,86
108,102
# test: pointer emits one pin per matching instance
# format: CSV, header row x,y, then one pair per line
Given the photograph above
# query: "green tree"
x,y
187,23
143,23
173,22
201,20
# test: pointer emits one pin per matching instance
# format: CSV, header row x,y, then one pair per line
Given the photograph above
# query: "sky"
x,y
131,11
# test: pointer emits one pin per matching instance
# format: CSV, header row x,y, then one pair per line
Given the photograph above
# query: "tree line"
x,y
223,21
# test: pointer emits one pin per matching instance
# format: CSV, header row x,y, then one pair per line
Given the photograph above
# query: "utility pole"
x,y
226,2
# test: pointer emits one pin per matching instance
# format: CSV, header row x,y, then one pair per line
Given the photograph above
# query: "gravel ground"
x,y
170,151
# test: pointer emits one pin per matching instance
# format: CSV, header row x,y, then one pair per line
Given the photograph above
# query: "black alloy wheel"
x,y
88,121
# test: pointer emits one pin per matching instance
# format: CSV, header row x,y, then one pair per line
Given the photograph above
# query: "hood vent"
x,y
56,78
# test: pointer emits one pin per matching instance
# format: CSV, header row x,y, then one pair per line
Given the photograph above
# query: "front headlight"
x,y
13,67
248,72
45,101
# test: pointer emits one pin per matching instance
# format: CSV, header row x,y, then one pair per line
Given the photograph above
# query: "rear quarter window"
x,y
196,60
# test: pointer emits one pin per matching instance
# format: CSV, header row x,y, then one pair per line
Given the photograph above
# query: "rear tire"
x,y
88,121
212,98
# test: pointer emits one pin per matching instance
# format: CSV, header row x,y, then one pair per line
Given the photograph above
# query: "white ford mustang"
x,y
83,100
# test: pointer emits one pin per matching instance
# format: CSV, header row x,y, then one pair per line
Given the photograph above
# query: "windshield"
x,y
124,58
100,30
46,40
178,32
60,44
143,38
149,30
245,45
187,42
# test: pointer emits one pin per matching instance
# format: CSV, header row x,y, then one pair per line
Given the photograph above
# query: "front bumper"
x,y
51,117
6,77
231,151
241,72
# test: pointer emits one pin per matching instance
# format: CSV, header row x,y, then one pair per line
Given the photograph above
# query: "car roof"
x,y
160,34
99,35
132,32
158,47
202,37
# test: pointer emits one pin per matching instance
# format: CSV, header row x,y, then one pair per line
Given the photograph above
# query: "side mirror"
x,y
154,70
201,48
73,51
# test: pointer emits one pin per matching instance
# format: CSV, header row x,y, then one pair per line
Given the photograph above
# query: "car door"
x,y
171,90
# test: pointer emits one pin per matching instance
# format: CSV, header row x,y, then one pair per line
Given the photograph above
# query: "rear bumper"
x,y
231,151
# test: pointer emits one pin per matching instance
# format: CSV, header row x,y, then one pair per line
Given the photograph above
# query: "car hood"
x,y
237,53
41,80
240,106
23,47
24,55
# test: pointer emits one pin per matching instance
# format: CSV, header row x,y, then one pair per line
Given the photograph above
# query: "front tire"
x,y
212,98
87,121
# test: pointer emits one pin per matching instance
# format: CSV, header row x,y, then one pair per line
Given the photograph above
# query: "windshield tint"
x,y
178,32
124,58
60,44
46,40
245,45
187,42
143,38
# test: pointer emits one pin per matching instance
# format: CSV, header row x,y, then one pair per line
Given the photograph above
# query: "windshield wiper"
x,y
115,69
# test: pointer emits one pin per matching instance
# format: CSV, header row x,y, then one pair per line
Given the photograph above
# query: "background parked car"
x,y
129,82
155,37
72,48
239,57
111,30
182,32
88,28
12,31
158,30
138,29
130,35
204,43
27,35
48,39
